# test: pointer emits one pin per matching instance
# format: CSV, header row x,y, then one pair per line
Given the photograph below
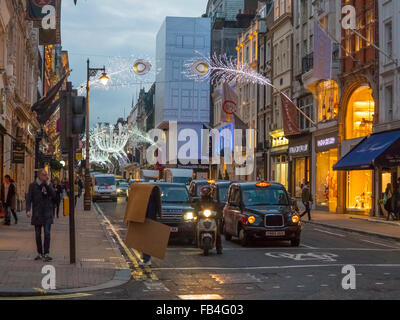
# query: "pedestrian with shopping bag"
x,y
40,208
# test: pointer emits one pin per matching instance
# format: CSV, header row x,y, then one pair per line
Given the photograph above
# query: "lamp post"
x,y
91,72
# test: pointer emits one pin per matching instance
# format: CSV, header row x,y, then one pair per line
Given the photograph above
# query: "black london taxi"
x,y
260,210
177,211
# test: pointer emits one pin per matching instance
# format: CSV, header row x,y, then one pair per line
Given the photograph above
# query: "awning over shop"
x,y
378,150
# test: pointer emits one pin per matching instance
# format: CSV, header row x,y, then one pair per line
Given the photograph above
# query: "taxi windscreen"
x,y
264,196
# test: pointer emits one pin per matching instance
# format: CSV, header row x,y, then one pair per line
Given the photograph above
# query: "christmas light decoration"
x,y
112,139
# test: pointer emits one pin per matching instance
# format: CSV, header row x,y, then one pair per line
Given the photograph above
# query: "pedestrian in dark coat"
x,y
40,208
57,201
8,196
307,199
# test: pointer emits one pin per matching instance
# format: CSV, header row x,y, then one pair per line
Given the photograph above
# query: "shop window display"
x,y
299,175
326,180
280,171
328,100
360,113
359,191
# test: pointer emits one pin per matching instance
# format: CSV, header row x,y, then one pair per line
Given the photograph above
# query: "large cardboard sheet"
x,y
150,237
139,194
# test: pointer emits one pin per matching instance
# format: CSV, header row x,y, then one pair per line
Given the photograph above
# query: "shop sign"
x,y
298,149
18,153
326,142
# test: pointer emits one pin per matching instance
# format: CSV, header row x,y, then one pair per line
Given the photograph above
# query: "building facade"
x,y
177,98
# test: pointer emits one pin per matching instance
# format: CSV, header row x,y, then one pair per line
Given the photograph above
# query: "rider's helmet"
x,y
205,192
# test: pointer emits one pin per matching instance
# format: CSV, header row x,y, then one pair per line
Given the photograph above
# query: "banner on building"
x,y
230,102
289,117
322,54
35,8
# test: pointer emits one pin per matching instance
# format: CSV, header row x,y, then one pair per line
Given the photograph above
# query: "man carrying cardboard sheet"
x,y
144,233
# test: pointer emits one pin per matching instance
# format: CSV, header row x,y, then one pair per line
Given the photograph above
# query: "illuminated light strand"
x,y
224,69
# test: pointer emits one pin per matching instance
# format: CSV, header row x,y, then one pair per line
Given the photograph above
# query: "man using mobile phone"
x,y
39,207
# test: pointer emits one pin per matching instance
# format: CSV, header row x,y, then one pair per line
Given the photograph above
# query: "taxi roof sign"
x,y
263,184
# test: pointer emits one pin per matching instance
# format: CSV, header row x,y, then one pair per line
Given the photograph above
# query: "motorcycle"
x,y
206,230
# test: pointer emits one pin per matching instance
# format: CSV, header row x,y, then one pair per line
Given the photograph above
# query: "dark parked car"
x,y
260,210
177,211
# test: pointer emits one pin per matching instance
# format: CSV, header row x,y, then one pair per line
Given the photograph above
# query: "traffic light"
x,y
78,116
73,117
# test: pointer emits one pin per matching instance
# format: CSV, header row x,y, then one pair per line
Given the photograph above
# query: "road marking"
x,y
277,287
329,257
306,246
53,297
332,275
310,275
278,267
331,233
387,274
324,285
300,286
200,297
379,283
379,244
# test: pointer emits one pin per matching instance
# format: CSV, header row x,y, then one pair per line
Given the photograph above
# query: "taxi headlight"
x,y
207,213
188,216
295,219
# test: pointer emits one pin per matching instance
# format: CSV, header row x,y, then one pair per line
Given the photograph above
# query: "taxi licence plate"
x,y
174,229
275,233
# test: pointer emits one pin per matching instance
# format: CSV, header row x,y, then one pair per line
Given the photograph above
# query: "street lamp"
x,y
104,79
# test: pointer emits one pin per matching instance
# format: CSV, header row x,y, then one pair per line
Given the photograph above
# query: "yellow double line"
x,y
137,273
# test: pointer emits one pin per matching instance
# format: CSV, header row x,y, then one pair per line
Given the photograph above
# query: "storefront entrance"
x,y
326,180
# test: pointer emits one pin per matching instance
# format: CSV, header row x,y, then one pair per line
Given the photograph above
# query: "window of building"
x,y
389,103
328,100
306,105
360,113
389,38
369,29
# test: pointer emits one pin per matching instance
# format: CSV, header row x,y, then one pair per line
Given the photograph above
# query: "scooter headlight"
x,y
207,213
189,216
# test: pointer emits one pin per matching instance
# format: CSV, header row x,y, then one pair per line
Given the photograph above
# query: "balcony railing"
x,y
307,63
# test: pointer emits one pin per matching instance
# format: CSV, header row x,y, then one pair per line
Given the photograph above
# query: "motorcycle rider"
x,y
205,202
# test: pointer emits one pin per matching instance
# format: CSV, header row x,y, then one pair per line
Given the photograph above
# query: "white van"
x,y
104,187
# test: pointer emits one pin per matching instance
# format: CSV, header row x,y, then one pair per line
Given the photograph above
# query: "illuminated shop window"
x,y
299,175
359,191
360,113
326,180
328,100
280,169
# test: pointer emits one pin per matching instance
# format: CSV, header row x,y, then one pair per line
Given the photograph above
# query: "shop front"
x,y
279,158
326,188
374,160
299,164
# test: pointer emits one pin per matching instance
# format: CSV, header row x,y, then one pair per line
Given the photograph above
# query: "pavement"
x,y
99,262
375,226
